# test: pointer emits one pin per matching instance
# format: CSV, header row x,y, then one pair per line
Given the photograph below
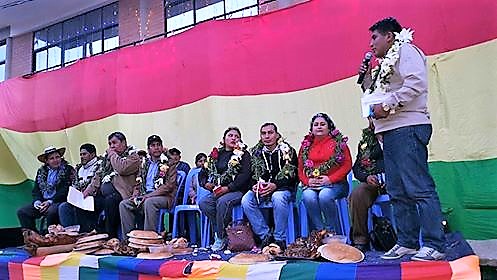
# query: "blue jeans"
x,y
67,214
412,190
279,201
320,203
218,210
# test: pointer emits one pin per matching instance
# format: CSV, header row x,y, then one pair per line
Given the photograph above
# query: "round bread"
x,y
154,256
144,234
181,251
101,252
340,253
90,245
95,237
137,246
245,258
146,242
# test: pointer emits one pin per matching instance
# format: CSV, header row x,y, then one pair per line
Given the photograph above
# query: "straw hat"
x,y
340,253
49,150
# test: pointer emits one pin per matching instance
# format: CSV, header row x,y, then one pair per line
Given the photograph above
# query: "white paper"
x,y
75,197
370,99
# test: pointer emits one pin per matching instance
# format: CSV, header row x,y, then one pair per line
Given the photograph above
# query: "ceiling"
x,y
28,15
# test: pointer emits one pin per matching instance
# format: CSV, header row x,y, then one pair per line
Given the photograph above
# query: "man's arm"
x,y
412,69
125,166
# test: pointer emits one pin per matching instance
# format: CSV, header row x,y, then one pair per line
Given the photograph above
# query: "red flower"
x,y
365,162
214,153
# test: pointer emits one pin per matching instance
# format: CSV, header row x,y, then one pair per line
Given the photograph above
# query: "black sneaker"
x,y
268,239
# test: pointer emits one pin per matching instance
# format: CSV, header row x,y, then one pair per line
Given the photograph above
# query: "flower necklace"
x,y
159,176
382,73
260,164
233,164
42,177
106,171
310,169
366,145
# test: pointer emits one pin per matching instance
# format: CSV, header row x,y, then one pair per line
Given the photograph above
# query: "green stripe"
x,y
12,197
468,188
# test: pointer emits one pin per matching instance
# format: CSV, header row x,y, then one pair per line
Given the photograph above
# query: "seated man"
x,y
176,157
369,170
156,188
51,186
274,168
72,215
115,179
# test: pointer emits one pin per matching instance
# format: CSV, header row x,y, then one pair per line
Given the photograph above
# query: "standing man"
x,y
274,169
51,186
402,119
155,190
85,171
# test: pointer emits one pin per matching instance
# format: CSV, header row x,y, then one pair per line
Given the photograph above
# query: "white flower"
x,y
404,36
163,158
159,182
241,145
284,147
237,153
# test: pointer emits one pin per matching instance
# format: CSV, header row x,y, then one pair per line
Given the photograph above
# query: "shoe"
x,y
219,244
268,239
362,247
398,252
428,254
281,244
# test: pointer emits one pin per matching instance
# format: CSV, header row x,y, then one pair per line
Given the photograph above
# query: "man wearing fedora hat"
x,y
155,189
51,187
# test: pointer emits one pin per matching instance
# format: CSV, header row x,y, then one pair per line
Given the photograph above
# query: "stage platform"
x,y
16,264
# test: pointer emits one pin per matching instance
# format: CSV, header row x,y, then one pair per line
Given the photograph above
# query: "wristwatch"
x,y
385,107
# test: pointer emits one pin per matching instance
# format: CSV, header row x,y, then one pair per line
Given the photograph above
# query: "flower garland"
x,y
366,145
233,164
260,164
42,176
382,73
310,169
159,177
81,184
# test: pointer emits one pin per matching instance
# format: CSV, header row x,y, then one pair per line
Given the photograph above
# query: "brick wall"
x,y
22,52
140,19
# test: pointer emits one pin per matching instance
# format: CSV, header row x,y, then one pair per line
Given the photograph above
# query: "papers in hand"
x,y
76,198
367,100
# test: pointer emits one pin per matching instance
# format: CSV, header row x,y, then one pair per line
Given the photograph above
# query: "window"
x,y
85,35
3,55
183,14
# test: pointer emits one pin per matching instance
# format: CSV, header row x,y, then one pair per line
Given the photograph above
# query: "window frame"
x,y
4,61
63,41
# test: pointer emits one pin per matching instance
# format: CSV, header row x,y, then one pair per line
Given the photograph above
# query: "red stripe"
x,y
435,270
312,44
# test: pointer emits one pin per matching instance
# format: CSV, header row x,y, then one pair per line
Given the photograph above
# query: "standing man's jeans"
x,y
415,202
280,201
218,210
321,202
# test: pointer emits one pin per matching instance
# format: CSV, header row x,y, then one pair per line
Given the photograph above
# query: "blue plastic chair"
x,y
343,213
162,212
192,178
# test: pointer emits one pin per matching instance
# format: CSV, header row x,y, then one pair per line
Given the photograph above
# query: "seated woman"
x,y
324,162
228,177
51,187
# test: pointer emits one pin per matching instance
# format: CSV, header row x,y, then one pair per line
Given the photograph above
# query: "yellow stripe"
x,y
462,103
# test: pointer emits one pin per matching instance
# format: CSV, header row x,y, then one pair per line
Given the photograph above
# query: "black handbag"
x,y
383,236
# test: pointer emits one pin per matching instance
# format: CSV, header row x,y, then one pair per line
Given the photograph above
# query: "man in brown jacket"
x,y
155,190
115,178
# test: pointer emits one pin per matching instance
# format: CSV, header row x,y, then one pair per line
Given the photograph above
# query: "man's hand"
x,y
209,186
379,113
267,189
373,181
365,68
44,206
220,191
86,192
